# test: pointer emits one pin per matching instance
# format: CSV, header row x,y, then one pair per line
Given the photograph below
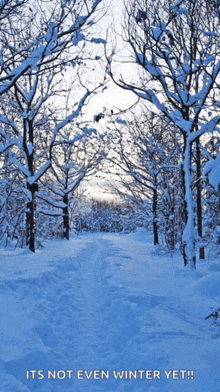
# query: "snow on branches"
x,y
176,47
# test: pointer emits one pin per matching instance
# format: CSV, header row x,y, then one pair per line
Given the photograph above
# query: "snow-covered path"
x,y
106,302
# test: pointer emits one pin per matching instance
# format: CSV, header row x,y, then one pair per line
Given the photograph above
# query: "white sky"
x,y
113,97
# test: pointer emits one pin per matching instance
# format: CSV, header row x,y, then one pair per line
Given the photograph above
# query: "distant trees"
x,y
106,216
12,203
175,46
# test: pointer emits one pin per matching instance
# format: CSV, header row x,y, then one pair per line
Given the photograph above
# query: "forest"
x,y
159,157
110,195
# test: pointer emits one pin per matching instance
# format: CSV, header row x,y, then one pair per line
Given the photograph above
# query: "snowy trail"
x,y
105,302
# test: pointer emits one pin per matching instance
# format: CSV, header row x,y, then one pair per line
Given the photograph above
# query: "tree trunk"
x,y
30,237
189,240
199,198
172,228
155,227
184,215
31,188
66,226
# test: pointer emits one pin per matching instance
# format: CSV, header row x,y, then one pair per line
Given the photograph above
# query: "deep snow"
x,y
108,302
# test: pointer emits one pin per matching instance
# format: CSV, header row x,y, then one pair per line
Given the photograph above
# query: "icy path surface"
x,y
106,302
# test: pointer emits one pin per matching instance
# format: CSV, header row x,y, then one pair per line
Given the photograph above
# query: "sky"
x,y
113,98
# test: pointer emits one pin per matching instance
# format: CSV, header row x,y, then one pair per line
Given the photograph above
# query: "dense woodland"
x,y
160,155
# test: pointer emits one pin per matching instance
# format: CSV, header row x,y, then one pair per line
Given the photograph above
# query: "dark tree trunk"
x,y
184,202
32,188
199,197
30,238
66,226
155,227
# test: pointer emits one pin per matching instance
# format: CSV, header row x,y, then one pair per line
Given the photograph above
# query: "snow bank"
x,y
209,285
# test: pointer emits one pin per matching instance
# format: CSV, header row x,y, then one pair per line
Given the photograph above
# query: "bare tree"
x,y
39,34
71,164
144,149
175,46
28,103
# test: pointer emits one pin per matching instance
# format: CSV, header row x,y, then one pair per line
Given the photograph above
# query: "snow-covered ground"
x,y
107,302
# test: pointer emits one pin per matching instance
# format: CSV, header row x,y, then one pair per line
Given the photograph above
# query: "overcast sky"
x,y
113,97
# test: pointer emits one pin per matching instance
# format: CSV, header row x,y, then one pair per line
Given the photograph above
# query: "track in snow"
x,y
92,313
